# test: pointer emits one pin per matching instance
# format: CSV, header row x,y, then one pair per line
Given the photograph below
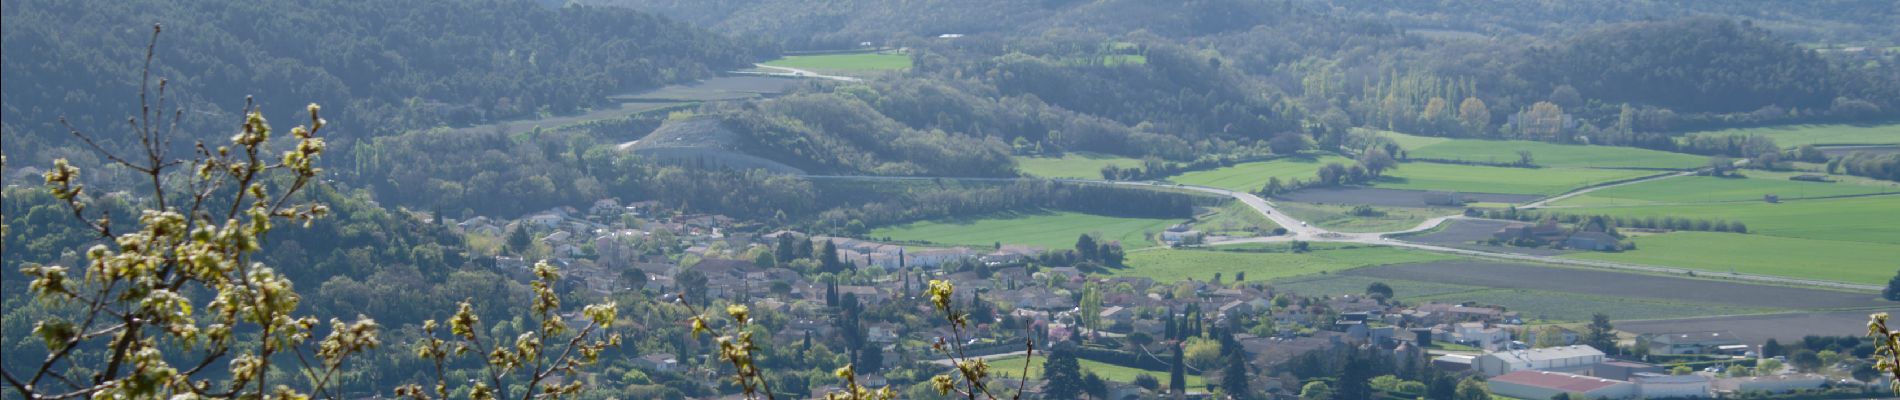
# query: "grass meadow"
x,y
1820,134
1051,230
1874,219
1856,262
1703,189
1542,153
1082,165
1483,179
844,62
1252,176
1173,265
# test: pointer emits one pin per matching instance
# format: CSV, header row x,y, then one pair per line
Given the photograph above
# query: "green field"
x,y
1333,285
1337,217
1693,189
1539,306
1818,134
1482,179
1234,219
1252,176
1082,165
844,62
1857,262
1873,219
1175,265
1013,366
1542,153
1051,230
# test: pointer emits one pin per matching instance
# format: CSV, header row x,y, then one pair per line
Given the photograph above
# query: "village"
x,y
1050,296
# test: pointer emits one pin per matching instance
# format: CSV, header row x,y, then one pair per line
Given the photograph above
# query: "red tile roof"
x,y
1556,380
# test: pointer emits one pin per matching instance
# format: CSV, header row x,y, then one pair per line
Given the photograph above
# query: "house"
x,y
1595,241
1478,335
1566,358
1691,343
658,362
1117,316
1772,384
1546,384
1544,232
1655,385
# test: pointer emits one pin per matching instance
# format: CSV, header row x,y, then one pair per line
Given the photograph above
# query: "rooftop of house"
x,y
1557,381
1547,353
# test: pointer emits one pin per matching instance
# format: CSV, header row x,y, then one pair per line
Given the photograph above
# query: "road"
x,y
1299,230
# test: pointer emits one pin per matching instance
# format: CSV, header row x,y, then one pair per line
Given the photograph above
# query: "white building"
x,y
1547,384
1654,385
1565,358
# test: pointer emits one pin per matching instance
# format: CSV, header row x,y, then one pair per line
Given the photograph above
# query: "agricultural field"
x,y
1539,306
1175,265
1483,179
1543,154
1250,177
1872,219
1013,366
1608,283
1354,195
1075,164
1339,284
1757,329
1050,229
847,62
1704,189
1856,262
1339,218
1820,134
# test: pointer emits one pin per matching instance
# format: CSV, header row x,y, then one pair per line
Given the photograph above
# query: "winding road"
x,y
1299,230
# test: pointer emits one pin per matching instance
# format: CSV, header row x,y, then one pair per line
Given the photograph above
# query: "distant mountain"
x,y
377,66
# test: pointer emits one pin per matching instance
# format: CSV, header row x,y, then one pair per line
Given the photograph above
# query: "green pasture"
x,y
1050,229
1828,260
1505,180
1703,189
1819,134
1251,176
1083,165
844,62
1175,265
1873,219
1013,366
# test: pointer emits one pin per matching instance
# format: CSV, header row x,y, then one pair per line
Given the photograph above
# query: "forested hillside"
x,y
379,67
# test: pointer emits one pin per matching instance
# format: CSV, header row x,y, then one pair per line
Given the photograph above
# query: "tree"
x,y
1543,121
1805,360
1473,389
1379,290
1063,375
1376,161
1146,381
1091,307
1681,370
518,240
1475,117
1736,371
633,278
1524,158
1601,334
1316,390
1767,367
1233,378
1771,349
1288,143
1094,385
692,284
1892,292
870,358
1550,336
1177,372
1085,245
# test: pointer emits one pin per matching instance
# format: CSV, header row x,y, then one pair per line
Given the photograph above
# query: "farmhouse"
x,y
1691,343
1544,232
1546,384
1566,358
1597,241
